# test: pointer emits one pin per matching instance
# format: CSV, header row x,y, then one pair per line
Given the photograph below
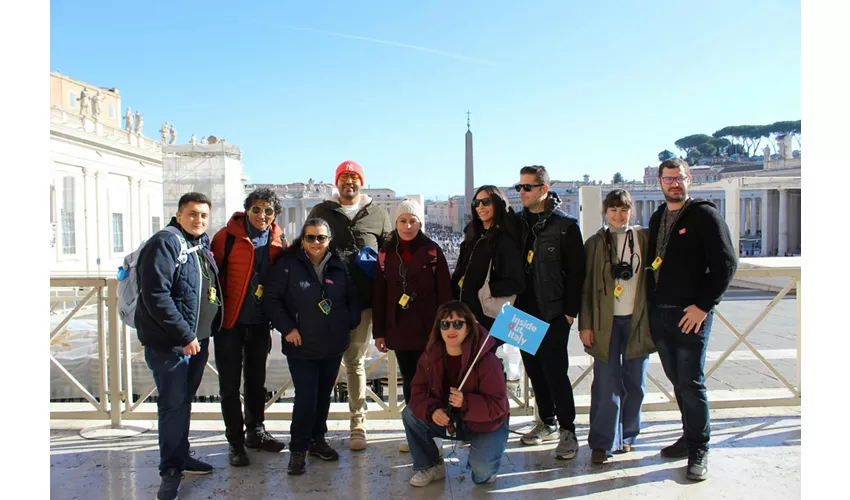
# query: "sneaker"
x,y
259,439
238,455
357,440
169,485
676,450
427,476
599,456
297,465
567,446
194,466
698,464
539,433
320,448
404,447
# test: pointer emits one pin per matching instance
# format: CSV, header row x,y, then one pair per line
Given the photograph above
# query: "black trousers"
x,y
547,370
313,380
242,348
407,361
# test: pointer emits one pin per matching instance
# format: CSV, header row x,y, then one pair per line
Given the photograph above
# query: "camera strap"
x,y
630,241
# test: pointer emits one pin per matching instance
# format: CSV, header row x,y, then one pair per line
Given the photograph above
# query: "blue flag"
x,y
519,329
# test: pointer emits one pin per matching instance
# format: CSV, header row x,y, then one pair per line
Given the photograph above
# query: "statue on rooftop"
x,y
204,140
84,102
192,140
140,122
95,105
173,135
163,132
128,120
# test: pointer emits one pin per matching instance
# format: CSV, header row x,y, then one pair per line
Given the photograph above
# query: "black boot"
x,y
238,455
676,450
261,440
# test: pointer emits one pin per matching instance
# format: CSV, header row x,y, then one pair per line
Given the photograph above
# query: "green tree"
x,y
618,178
690,142
693,156
719,143
707,149
666,155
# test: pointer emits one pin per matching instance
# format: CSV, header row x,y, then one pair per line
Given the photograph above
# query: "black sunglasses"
x,y
483,201
312,238
257,209
526,187
456,324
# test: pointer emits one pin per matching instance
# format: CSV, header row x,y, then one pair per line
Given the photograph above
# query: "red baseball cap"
x,y
352,167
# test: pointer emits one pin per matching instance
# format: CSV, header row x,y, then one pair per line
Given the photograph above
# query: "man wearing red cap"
x,y
355,224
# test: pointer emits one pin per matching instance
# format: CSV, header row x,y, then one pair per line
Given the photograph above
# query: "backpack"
x,y
382,260
128,286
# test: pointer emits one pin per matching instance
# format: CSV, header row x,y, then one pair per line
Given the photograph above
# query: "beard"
x,y
349,193
683,194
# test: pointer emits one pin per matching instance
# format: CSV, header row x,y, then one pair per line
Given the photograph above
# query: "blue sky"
x,y
301,86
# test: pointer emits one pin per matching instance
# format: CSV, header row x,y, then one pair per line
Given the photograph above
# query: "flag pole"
x,y
468,371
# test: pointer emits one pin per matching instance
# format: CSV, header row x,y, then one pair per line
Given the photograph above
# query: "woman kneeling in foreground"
x,y
478,413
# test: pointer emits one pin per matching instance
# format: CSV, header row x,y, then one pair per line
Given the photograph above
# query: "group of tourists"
x,y
356,274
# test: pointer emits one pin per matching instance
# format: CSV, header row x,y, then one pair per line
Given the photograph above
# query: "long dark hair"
x,y
502,216
445,311
298,244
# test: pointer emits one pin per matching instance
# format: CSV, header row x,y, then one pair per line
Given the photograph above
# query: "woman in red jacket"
x,y
479,410
413,279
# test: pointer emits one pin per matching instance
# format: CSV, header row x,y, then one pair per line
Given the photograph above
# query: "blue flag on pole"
x,y
519,329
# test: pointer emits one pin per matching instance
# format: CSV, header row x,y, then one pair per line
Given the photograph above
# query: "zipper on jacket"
x,y
201,284
466,270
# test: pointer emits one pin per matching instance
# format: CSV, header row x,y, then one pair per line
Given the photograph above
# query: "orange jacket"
x,y
240,262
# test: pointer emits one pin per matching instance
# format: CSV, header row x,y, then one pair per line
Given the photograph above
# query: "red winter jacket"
x,y
409,329
240,263
485,393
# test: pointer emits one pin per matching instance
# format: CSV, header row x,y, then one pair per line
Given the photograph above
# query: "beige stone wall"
x,y
61,88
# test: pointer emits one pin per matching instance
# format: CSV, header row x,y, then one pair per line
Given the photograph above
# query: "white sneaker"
x,y
539,433
427,476
567,447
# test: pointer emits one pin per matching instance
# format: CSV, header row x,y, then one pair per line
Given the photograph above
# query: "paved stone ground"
x,y
755,454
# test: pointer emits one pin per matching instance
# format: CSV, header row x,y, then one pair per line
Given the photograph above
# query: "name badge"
x,y
460,283
618,290
404,300
325,306
212,294
530,256
259,292
656,263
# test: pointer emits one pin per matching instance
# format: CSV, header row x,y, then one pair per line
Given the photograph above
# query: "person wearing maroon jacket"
x,y
412,281
477,413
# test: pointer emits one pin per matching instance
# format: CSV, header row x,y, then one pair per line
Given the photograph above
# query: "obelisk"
x,y
469,188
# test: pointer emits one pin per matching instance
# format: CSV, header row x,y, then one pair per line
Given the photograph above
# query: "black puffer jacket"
x,y
292,296
506,276
558,263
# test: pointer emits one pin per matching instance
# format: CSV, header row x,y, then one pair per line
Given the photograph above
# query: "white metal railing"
x,y
116,381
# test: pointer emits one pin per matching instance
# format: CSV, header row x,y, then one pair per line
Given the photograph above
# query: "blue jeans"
x,y
313,380
485,448
177,378
616,394
683,359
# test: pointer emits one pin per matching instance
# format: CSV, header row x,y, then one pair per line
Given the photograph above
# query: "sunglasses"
x,y
483,201
456,324
312,238
526,187
257,209
349,177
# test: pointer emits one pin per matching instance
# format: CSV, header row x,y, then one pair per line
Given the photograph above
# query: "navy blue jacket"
x,y
292,293
169,295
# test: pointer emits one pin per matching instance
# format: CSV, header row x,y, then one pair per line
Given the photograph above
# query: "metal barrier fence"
x,y
115,401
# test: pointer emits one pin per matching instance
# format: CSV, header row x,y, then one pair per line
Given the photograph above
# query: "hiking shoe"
x,y
567,446
539,433
169,485
599,456
357,440
259,439
676,450
698,464
404,447
297,465
238,455
194,466
320,448
625,449
427,476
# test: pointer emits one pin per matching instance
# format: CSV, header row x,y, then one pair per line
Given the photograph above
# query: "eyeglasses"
x,y
456,324
526,187
349,177
483,201
257,209
669,180
312,238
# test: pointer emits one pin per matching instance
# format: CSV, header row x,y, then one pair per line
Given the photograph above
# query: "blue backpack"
x,y
128,286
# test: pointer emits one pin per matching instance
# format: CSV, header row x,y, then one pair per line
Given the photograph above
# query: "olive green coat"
x,y
597,301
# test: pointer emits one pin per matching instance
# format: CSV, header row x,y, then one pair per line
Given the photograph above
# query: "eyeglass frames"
x,y
483,201
456,324
526,187
256,209
312,238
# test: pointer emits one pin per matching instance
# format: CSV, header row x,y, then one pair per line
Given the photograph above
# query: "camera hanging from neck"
x,y
622,270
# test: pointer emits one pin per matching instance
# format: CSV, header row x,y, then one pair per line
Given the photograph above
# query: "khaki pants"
x,y
356,371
